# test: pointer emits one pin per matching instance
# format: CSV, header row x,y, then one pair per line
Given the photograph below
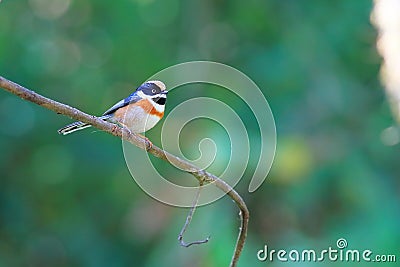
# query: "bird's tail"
x,y
70,128
76,126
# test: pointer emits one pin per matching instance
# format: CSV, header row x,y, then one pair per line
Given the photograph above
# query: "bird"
x,y
139,112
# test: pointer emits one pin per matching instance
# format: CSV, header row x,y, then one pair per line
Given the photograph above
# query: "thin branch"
x,y
188,220
123,133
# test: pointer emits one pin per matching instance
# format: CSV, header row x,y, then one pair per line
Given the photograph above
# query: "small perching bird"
x,y
139,112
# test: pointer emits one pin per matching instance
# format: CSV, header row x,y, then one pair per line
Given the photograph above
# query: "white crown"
x,y
160,84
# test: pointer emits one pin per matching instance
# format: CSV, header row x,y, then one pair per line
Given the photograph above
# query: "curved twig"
x,y
187,222
123,133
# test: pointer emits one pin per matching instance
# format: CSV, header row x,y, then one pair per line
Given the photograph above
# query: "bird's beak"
x,y
165,92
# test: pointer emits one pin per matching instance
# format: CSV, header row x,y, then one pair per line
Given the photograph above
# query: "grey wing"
x,y
133,98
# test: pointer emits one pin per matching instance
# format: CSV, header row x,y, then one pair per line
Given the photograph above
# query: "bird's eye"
x,y
153,91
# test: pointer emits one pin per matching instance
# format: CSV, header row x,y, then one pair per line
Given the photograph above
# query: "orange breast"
x,y
149,108
144,104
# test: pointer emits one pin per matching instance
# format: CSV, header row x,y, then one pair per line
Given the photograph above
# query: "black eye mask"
x,y
148,88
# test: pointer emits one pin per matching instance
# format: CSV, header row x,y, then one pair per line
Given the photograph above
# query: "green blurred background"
x,y
70,201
